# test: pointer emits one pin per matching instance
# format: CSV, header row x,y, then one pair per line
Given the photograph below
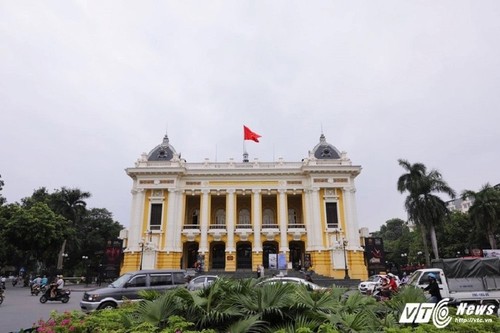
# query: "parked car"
x,y
201,282
128,286
294,280
367,287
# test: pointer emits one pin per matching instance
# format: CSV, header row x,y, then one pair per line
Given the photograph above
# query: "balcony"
x,y
191,231
217,231
297,230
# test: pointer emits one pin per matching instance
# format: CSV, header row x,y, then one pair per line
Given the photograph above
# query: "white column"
x,y
283,219
352,233
136,214
204,219
257,220
171,215
308,218
179,221
316,221
230,220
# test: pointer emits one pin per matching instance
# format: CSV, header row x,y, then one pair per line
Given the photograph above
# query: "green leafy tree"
x,y
485,211
96,227
36,231
424,207
2,199
459,227
397,239
40,195
10,256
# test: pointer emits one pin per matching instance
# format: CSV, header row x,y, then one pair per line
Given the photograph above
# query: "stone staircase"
x,y
321,280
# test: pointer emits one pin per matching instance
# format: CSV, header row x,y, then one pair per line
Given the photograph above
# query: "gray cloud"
x,y
86,87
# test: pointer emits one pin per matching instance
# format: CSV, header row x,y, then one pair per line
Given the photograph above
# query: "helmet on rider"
x,y
432,276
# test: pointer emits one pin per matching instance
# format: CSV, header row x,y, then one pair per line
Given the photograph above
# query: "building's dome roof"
x,y
325,151
162,152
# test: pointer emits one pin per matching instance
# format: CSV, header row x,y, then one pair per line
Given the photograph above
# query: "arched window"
x,y
244,217
220,217
292,216
268,217
195,217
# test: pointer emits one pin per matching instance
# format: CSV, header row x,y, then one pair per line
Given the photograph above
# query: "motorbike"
x,y
61,295
380,294
35,289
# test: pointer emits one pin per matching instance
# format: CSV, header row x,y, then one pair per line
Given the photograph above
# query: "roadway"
x,y
20,310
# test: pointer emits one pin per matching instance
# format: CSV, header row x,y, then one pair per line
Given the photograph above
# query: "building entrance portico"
x,y
297,254
268,248
244,255
218,255
190,254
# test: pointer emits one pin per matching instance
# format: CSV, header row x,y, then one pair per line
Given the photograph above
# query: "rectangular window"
x,y
155,220
179,278
332,218
137,281
160,280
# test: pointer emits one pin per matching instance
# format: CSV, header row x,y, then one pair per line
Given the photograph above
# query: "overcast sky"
x,y
87,86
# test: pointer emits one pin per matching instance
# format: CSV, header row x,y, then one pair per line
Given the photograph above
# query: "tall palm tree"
x,y
423,207
71,204
485,211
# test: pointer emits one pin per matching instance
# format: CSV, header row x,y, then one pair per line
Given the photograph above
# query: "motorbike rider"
x,y
433,289
36,283
385,287
393,285
56,288
44,281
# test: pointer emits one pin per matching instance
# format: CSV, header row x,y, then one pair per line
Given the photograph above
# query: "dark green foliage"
x,y
210,311
36,233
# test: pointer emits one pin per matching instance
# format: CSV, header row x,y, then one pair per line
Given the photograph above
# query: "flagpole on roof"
x,y
245,153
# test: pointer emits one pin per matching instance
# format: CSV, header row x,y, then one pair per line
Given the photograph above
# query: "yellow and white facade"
x,y
232,215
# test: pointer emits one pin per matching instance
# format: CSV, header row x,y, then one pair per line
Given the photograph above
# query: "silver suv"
x,y
127,287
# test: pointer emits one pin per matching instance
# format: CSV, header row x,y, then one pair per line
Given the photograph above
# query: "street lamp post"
x,y
346,276
142,253
65,257
404,261
419,255
85,258
403,257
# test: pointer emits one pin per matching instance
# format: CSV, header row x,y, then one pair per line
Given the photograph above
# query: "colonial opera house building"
x,y
232,215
